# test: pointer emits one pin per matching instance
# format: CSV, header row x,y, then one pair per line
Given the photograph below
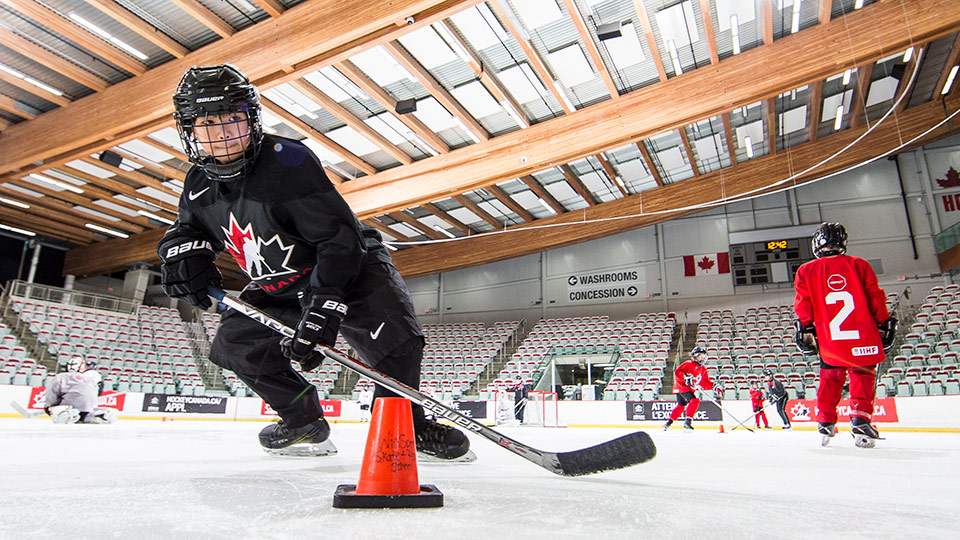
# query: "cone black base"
x,y
346,497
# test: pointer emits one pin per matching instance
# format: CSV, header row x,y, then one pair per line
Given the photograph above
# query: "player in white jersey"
x,y
71,396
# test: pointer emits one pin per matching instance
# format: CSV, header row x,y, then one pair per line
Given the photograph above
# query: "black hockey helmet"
x,y
697,351
767,373
217,90
830,239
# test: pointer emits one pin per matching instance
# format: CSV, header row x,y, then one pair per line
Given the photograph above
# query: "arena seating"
x,y
638,347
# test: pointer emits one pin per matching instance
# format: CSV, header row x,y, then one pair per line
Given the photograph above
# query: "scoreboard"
x,y
769,261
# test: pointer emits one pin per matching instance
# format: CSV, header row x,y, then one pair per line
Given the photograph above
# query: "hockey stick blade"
x,y
24,412
628,450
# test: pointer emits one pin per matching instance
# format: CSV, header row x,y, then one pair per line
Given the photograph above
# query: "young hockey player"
x,y
365,399
71,396
690,380
756,399
777,395
266,200
842,311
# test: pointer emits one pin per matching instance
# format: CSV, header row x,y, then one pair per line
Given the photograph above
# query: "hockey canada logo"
x,y
258,258
800,412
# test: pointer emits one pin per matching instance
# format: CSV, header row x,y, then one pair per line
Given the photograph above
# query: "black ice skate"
x,y
828,431
667,425
438,443
864,435
787,427
311,440
688,425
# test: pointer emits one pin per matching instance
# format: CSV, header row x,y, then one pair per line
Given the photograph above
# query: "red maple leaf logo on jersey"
x,y
706,263
952,180
237,237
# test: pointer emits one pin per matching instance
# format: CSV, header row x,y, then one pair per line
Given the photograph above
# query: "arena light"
x,y
12,202
153,216
57,183
31,80
107,36
839,119
16,230
105,230
748,143
950,78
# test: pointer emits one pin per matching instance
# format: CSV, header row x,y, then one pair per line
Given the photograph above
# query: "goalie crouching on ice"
x,y
71,396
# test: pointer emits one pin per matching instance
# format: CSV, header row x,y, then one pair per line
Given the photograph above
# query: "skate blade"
x,y
469,457
825,441
326,448
863,441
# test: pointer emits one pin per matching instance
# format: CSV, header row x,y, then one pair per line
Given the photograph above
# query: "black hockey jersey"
x,y
284,223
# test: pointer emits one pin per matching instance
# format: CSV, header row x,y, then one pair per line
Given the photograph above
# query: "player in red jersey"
x,y
689,380
756,399
840,306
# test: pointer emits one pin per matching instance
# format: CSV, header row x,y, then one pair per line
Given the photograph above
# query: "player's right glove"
x,y
188,270
806,337
888,332
319,323
46,410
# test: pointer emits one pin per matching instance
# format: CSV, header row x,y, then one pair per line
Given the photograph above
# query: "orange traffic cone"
x,y
721,429
388,474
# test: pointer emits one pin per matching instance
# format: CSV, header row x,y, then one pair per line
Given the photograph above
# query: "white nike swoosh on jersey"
x,y
193,196
375,335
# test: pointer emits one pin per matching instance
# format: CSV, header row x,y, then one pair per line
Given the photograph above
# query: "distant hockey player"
x,y
690,380
71,396
312,264
756,399
505,412
777,395
520,392
842,311
365,399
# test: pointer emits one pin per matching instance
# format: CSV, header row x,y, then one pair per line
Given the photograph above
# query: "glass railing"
x,y
44,293
947,238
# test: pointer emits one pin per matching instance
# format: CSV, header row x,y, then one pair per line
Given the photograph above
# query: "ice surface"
x,y
194,479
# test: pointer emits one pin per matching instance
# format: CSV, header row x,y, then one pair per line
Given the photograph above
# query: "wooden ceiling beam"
x,y
10,105
689,151
824,13
272,7
350,120
436,89
651,166
766,21
205,17
770,117
359,78
134,176
139,27
587,39
535,61
543,193
47,59
475,208
611,174
508,201
454,222
162,168
307,131
98,187
728,135
47,227
860,94
708,27
406,218
952,59
908,70
33,89
715,186
57,208
651,39
378,225
577,185
79,35
71,224
816,97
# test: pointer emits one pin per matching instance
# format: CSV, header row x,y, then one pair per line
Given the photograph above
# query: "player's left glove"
x,y
806,337
888,332
319,323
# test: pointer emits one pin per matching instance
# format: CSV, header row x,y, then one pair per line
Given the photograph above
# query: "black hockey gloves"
x,y
188,269
806,337
888,332
319,323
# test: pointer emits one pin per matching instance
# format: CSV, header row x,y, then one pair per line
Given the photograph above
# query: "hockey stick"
x,y
24,412
755,413
628,450
725,411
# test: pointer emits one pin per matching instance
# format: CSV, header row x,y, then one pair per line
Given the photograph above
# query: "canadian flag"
x,y
708,264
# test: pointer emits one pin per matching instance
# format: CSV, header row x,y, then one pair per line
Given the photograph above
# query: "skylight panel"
x,y
754,130
160,195
677,23
93,212
494,207
116,207
625,50
562,191
571,65
382,68
476,99
428,48
830,104
745,10
432,113
595,182
882,90
405,230
90,169
537,13
481,28
350,139
464,215
327,86
387,125
671,159
321,151
793,120
522,83
709,147
145,150
168,136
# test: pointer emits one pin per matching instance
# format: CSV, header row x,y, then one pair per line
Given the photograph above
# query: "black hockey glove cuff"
x,y
806,337
188,270
888,332
319,323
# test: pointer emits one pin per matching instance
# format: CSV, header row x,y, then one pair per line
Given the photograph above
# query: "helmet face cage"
x,y
219,104
830,239
76,364
697,352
